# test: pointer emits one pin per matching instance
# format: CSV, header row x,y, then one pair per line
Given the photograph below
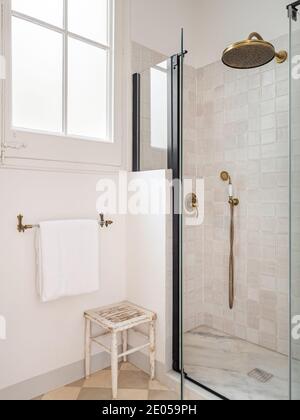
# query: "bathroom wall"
x,y
193,235
44,337
295,220
242,127
149,256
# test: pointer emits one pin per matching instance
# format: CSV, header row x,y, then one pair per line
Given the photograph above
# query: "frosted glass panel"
x,y
159,108
36,77
88,18
50,11
87,97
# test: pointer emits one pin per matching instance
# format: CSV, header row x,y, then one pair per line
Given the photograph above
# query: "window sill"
x,y
48,149
58,166
23,132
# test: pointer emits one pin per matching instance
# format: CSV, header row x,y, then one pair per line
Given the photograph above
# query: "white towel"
x,y
67,258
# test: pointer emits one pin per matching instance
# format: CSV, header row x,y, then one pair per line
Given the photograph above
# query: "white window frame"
x,y
51,147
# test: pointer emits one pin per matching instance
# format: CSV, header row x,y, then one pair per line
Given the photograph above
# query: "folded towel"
x,y
67,258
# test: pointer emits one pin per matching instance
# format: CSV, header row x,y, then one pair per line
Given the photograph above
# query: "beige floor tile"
x,y
95,394
162,396
62,394
132,394
129,367
109,367
157,386
100,379
38,398
133,380
79,383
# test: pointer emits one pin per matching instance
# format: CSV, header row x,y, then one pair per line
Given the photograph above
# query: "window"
x,y
159,106
62,67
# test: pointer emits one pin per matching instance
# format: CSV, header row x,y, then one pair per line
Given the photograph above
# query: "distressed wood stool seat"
x,y
117,319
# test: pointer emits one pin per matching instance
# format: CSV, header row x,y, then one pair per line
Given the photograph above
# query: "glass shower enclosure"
x,y
239,235
232,139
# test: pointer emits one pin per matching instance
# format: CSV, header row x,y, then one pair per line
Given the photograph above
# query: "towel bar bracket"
x,y
21,227
104,223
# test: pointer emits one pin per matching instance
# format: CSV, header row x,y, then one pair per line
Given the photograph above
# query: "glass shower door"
x,y
295,197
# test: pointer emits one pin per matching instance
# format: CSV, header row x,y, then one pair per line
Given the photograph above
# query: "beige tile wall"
x,y
242,127
193,236
295,301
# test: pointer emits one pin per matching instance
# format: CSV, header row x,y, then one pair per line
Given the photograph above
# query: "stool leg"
x,y
125,344
114,365
87,348
152,349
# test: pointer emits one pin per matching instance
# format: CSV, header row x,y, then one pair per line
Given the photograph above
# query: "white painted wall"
x,y
157,24
209,24
135,265
148,269
45,337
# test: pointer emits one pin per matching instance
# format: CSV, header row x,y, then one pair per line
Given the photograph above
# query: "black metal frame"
x,y
293,9
136,123
174,164
294,5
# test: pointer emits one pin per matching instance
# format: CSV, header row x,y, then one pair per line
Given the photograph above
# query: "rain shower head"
x,y
251,53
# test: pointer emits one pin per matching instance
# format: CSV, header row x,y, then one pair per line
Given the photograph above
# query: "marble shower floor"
x,y
222,363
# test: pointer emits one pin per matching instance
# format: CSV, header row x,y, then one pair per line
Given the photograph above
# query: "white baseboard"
x,y
42,384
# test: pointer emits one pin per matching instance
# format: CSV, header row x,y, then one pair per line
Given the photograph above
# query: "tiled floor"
x,y
223,363
133,385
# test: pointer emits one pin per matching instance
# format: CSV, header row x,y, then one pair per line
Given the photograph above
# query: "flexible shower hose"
x,y
231,258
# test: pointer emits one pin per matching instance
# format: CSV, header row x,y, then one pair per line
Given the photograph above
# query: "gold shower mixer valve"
x,y
192,204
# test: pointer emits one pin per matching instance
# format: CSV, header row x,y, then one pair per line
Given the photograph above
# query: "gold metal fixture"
x,y
21,228
231,260
225,176
192,203
104,223
251,53
233,202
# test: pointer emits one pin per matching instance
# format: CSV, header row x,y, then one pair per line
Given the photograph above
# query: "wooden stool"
x,y
118,319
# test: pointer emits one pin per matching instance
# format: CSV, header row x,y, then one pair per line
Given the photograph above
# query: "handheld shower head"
x,y
225,176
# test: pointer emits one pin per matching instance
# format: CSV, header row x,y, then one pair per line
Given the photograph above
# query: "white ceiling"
x,y
210,25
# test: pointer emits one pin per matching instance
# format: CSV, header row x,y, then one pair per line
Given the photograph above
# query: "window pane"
x,y
87,96
159,108
50,11
88,18
36,77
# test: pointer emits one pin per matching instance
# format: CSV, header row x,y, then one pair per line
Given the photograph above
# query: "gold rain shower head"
x,y
251,53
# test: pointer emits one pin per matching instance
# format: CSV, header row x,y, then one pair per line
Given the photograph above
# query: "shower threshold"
x,y
227,365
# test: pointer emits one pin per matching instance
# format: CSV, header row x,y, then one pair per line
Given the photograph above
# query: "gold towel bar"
x,y
21,228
